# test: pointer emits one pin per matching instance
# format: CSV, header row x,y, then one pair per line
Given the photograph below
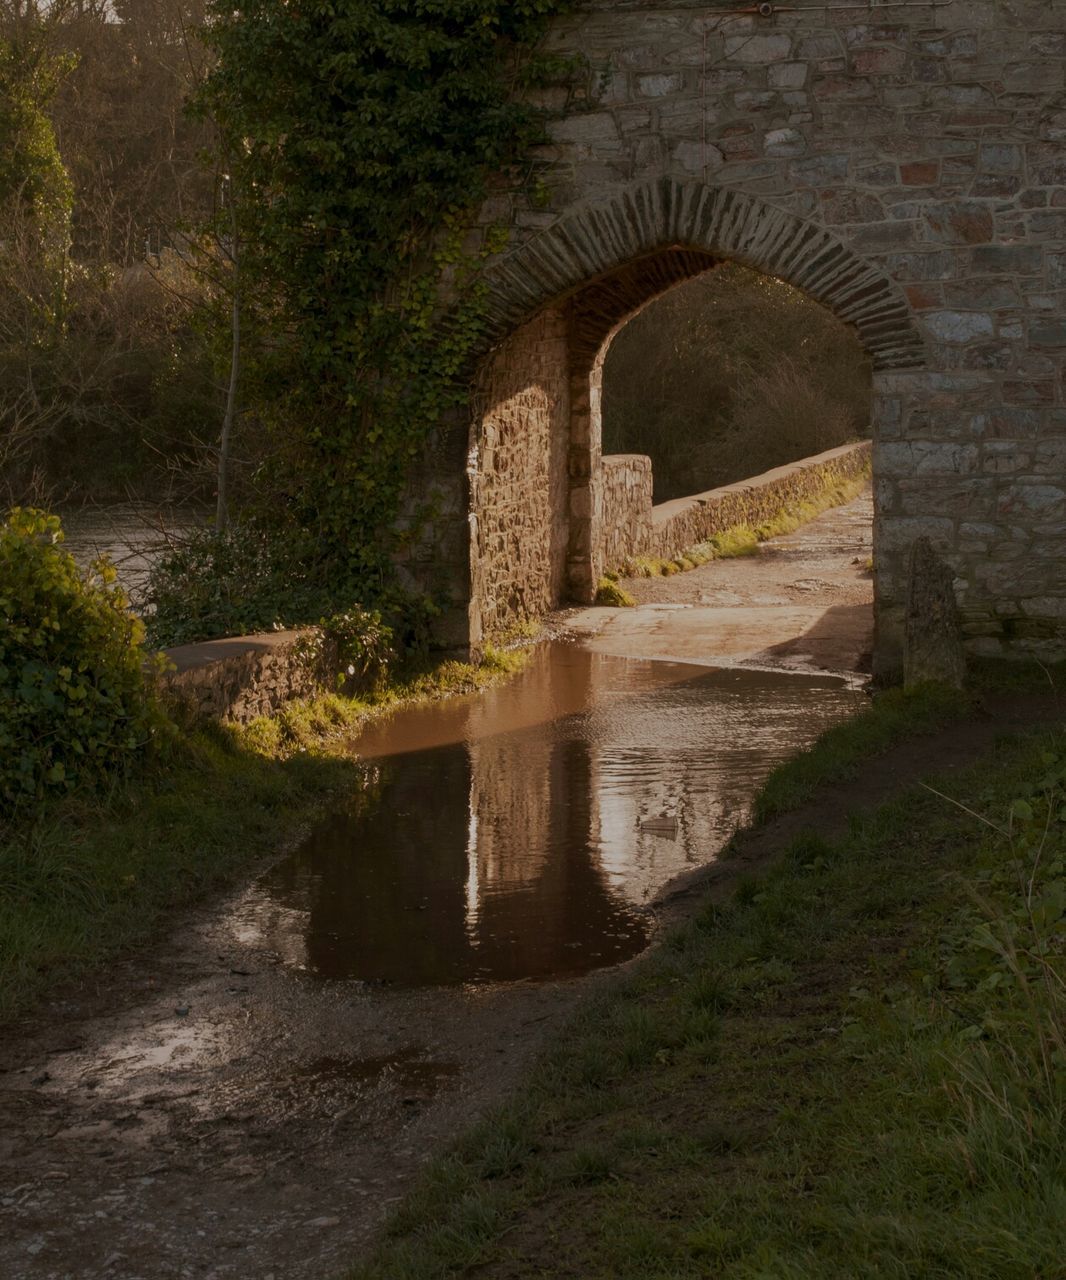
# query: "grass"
x,y
96,875
1005,675
743,539
856,1067
612,596
321,723
896,714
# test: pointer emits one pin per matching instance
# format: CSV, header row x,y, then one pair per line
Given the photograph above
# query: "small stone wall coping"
x,y
239,678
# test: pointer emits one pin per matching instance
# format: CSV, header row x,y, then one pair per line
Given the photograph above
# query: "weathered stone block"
x,y
936,265
788,75
698,157
820,171
958,326
1014,259
932,636
919,173
784,143
659,85
851,206
960,222
1048,333
774,47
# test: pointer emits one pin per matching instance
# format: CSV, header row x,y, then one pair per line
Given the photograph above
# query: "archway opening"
x,y
729,375
536,473
716,371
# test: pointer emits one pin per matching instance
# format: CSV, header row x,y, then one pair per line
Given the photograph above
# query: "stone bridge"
x,y
905,165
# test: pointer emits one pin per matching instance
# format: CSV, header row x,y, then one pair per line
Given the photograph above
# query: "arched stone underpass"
x,y
539,530
902,164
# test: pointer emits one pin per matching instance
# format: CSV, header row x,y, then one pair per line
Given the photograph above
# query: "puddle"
x,y
519,834
405,1074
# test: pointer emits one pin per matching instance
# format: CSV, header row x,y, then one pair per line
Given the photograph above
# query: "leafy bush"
x,y
226,584
243,580
359,646
74,701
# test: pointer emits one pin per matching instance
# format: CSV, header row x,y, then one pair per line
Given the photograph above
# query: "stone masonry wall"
x,y
678,525
627,507
636,528
517,473
243,677
928,144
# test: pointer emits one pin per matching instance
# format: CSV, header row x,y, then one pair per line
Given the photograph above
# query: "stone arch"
x,y
554,302
641,220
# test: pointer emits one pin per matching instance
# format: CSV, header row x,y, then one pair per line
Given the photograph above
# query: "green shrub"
x,y
226,584
359,646
242,581
75,705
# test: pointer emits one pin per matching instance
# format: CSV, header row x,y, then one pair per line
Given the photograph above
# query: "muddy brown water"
x,y
253,1095
522,833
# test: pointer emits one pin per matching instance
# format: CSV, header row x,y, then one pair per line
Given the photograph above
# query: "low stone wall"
x,y
627,506
240,678
633,527
678,525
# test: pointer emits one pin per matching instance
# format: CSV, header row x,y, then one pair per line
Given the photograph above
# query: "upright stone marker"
x,y
932,647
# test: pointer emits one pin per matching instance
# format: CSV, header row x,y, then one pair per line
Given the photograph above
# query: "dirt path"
x,y
207,1114
803,603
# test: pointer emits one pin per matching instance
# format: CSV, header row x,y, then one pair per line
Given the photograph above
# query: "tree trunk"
x,y
222,513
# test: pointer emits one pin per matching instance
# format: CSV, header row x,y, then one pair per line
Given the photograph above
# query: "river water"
x,y
521,833
132,535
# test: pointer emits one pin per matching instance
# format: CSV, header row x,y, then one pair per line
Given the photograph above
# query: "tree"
x,y
36,195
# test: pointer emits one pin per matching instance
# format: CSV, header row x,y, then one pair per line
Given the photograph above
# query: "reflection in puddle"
x,y
518,834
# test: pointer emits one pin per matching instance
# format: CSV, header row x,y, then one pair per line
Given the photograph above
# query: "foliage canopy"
x,y
36,196
359,136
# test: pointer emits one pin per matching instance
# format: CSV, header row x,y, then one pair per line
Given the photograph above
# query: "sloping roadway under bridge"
x,y
803,602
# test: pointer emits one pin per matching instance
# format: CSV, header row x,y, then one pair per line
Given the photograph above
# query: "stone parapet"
x,y
242,677
671,528
627,506
683,523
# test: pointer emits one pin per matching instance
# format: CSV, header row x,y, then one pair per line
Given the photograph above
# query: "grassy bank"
x,y
93,876
856,1067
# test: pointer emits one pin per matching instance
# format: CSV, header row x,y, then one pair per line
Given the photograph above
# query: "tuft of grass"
x,y
612,596
798,1085
325,722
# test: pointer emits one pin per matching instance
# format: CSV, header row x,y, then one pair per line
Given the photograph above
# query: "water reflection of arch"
x,y
470,862
515,852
